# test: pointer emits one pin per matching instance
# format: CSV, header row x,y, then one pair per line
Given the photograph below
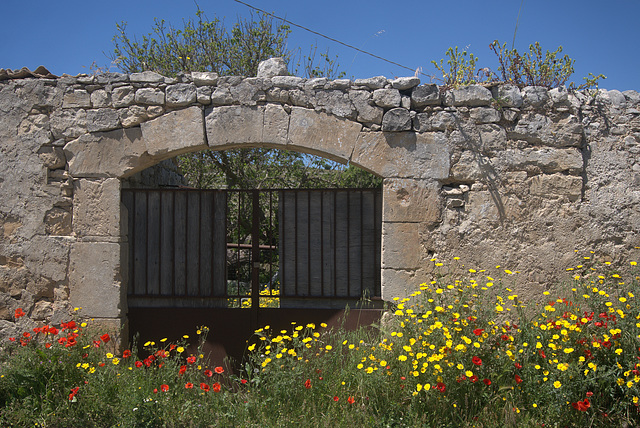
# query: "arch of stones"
x,y
493,175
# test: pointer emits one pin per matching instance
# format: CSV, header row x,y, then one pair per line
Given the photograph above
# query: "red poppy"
x,y
335,398
204,387
351,400
208,373
191,359
216,387
105,337
473,378
97,343
589,394
155,390
12,339
19,313
307,384
582,406
101,364
47,345
518,366
477,361
126,353
182,370
478,331
138,364
541,352
518,379
441,387
26,334
243,381
70,342
486,382
164,387
74,391
188,385
219,370
53,330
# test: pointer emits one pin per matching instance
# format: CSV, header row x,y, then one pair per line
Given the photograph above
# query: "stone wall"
x,y
497,175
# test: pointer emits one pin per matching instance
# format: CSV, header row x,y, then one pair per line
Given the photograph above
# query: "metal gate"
x,y
239,259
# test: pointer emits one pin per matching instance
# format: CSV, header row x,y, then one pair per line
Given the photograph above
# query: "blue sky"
x,y
603,37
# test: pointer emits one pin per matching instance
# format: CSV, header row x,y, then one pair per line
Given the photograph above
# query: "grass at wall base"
x,y
462,350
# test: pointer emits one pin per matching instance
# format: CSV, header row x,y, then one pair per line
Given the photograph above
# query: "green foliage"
x,y
460,70
532,68
202,45
461,350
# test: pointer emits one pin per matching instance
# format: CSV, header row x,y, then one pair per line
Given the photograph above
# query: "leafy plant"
x,y
460,69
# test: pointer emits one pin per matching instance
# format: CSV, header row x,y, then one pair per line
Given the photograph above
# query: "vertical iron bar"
x,y
309,243
322,243
132,242
295,240
160,247
270,241
348,245
281,241
335,243
173,251
238,247
199,234
361,242
255,258
214,195
146,265
186,244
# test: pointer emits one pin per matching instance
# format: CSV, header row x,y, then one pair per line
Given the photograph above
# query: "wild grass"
x,y
461,350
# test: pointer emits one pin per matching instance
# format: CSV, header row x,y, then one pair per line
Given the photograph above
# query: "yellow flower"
x,y
109,355
180,349
557,384
115,361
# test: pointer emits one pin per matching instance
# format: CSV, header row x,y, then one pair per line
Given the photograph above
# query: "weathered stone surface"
x,y
557,185
323,134
233,125
397,119
174,133
507,96
203,94
57,221
204,78
106,78
276,125
336,103
403,154
96,207
407,200
288,82
146,77
52,157
180,94
132,116
534,96
439,121
387,98
222,96
95,279
68,123
247,94
123,96
272,67
78,98
338,84
149,96
403,253
485,115
538,129
102,119
367,113
425,95
100,98
377,82
404,83
472,96
493,138
546,160
107,154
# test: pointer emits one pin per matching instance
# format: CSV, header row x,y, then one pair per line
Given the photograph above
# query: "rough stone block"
x,y
556,185
102,119
146,77
397,120
406,200
174,133
387,98
95,280
507,95
276,125
534,96
96,207
403,154
472,96
485,115
322,134
68,123
100,98
76,99
57,221
52,157
404,83
181,94
367,113
398,283
425,95
402,253
204,78
150,96
122,96
107,154
232,125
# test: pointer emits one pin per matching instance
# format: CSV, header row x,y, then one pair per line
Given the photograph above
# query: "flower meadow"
x,y
460,350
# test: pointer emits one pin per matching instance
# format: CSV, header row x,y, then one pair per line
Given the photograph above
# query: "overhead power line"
x,y
416,71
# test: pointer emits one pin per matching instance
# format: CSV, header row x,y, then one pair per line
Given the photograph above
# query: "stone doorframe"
x,y
411,164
